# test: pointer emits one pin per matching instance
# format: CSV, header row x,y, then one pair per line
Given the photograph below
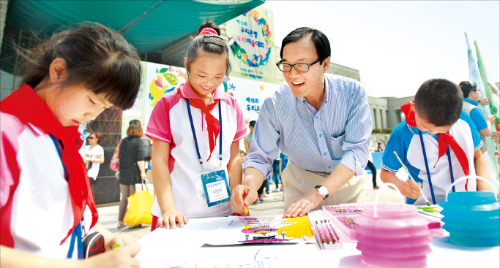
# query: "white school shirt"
x,y
93,153
405,141
35,202
169,122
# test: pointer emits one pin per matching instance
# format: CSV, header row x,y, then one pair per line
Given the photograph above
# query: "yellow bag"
x,y
139,207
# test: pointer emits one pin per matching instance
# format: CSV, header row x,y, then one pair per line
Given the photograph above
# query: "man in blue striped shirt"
x,y
321,121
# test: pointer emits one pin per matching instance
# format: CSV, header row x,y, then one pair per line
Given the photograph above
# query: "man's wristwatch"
x,y
322,190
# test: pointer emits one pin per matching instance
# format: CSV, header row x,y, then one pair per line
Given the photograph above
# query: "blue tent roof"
x,y
148,25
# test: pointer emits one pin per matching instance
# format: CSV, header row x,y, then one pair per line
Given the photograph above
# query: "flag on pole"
x,y
481,82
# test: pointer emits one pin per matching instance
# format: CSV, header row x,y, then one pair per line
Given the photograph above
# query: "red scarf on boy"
x,y
29,108
444,140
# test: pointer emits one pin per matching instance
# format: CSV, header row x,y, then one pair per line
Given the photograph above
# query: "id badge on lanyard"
x,y
215,183
216,187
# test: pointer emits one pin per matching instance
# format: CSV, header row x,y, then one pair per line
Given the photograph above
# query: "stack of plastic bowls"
x,y
472,218
392,235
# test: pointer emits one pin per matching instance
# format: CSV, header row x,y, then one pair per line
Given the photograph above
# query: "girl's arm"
x,y
247,146
141,165
99,159
163,186
120,257
234,166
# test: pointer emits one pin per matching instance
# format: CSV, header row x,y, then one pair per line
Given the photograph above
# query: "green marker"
x,y
116,246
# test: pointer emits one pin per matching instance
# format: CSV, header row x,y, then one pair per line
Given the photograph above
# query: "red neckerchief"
x,y
213,125
444,140
28,107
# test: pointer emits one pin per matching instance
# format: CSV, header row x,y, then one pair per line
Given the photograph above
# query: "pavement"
x,y
273,205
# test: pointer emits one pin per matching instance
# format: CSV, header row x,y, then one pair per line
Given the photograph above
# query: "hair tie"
x,y
208,30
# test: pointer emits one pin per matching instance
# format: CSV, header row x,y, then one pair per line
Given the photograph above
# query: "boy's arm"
x,y
407,188
481,171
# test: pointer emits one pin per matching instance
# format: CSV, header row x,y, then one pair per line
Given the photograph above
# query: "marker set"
x,y
347,214
324,231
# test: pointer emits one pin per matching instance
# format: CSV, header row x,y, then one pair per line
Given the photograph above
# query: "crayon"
x,y
245,209
116,246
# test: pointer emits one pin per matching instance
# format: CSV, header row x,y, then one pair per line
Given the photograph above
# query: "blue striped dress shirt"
x,y
315,140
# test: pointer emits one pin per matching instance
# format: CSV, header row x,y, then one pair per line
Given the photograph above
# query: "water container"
x,y
472,218
392,235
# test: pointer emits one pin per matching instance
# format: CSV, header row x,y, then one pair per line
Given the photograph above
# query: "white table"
x,y
183,247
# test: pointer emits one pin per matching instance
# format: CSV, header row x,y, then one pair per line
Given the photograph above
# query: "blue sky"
x,y
397,45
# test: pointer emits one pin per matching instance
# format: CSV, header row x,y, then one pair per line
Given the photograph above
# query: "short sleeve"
x,y
478,119
396,144
10,171
159,122
141,150
476,137
241,128
100,150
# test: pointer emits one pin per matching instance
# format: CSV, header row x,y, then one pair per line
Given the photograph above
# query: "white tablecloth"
x,y
183,247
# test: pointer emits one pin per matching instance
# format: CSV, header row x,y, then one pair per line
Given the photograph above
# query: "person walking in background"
x,y
201,153
373,170
379,148
248,138
94,157
132,152
276,173
69,79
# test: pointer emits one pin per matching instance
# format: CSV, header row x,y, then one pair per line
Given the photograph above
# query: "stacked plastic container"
x,y
472,218
392,235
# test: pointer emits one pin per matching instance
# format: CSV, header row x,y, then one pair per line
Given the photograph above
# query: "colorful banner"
x,y
250,95
493,147
251,45
474,75
157,80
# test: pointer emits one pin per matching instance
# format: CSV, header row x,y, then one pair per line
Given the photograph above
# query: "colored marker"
x,y
411,178
322,234
332,231
116,246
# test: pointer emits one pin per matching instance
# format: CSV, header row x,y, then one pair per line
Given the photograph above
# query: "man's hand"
x,y
304,204
241,197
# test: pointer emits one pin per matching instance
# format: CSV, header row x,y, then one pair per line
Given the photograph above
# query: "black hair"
x,y
252,123
467,87
210,43
319,39
439,101
96,57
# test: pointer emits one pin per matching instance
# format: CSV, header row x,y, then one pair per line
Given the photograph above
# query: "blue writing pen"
x,y
409,175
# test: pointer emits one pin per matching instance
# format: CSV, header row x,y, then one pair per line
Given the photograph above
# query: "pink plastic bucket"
x,y
392,235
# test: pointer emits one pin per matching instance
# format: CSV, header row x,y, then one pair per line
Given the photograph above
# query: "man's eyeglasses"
x,y
299,67
91,138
